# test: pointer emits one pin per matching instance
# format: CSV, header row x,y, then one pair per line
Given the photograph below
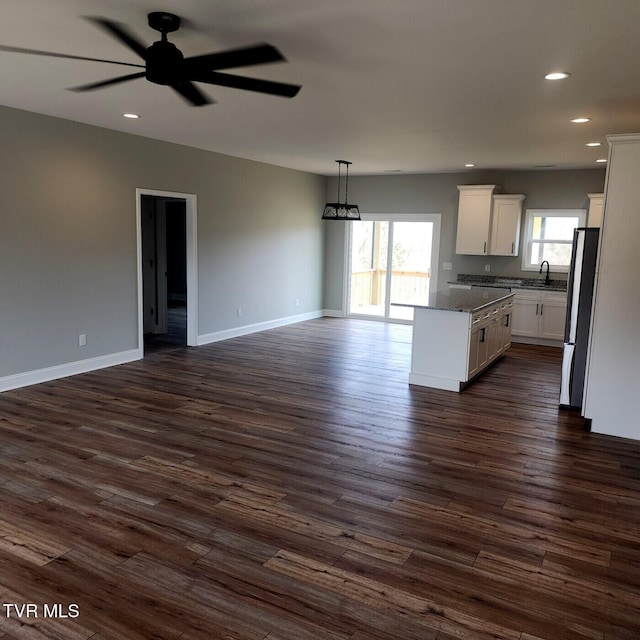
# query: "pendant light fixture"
x,y
341,210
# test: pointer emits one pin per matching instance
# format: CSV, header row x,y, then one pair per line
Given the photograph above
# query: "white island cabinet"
x,y
458,335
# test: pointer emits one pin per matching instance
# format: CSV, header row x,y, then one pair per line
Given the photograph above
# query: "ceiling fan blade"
x,y
247,56
191,93
51,54
249,84
120,32
106,83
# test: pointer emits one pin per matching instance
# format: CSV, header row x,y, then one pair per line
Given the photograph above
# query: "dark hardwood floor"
x,y
176,335
290,485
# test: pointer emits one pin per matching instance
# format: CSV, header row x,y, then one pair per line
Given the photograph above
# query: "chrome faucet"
x,y
546,280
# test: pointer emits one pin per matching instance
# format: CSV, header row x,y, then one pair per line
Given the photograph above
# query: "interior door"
x,y
164,271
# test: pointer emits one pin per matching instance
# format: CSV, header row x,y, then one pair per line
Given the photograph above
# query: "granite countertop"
x,y
464,300
506,282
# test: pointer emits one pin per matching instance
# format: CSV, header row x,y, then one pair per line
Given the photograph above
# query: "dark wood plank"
x,y
290,485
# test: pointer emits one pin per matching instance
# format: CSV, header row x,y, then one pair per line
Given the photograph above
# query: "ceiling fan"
x,y
165,64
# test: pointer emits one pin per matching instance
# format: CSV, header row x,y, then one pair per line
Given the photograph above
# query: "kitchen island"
x,y
458,334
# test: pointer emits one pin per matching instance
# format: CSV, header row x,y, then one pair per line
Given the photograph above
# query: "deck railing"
x,y
368,287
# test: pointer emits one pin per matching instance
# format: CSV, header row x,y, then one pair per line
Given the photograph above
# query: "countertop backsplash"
x,y
510,283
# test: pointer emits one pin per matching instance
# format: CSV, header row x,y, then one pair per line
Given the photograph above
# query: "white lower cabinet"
x,y
489,336
505,325
478,351
526,314
539,314
474,348
553,316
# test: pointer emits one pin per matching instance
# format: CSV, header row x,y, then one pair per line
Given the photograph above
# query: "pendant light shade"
x,y
341,210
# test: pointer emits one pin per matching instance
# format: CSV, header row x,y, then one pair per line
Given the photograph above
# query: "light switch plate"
x,y
447,266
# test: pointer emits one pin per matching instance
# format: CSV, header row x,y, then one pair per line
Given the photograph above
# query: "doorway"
x,y
166,270
392,262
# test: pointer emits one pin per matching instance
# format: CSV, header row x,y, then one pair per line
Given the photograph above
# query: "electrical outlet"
x,y
447,266
82,340
239,312
487,267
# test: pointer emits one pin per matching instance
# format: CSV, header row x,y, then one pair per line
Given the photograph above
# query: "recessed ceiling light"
x,y
581,120
469,164
131,116
601,160
593,144
557,75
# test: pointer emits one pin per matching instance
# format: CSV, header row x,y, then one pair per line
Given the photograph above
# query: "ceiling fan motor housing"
x,y
164,63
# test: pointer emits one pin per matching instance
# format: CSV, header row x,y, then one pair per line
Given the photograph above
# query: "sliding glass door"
x,y
368,281
392,263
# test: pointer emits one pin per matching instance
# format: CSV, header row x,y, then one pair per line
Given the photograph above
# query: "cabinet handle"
x,y
507,319
482,334
538,309
513,247
485,248
541,308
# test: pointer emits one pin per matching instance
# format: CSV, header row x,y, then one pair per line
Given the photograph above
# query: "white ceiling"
x,y
412,85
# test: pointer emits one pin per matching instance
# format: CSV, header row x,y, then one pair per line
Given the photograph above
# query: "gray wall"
x,y
68,262
438,193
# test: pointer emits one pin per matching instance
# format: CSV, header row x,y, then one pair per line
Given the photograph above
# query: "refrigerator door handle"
x,y
575,275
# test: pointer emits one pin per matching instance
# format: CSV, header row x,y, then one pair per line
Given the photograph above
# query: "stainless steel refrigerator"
x,y
580,286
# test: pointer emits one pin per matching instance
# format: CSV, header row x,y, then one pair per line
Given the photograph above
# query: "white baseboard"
x,y
101,362
434,382
333,313
236,332
69,369
542,342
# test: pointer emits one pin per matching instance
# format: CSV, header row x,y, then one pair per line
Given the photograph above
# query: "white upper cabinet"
x,y
505,225
474,219
596,209
488,224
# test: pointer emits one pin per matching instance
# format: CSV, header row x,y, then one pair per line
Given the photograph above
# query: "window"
x,y
548,235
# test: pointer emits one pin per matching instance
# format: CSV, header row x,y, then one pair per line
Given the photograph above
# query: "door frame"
x,y
435,218
191,207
